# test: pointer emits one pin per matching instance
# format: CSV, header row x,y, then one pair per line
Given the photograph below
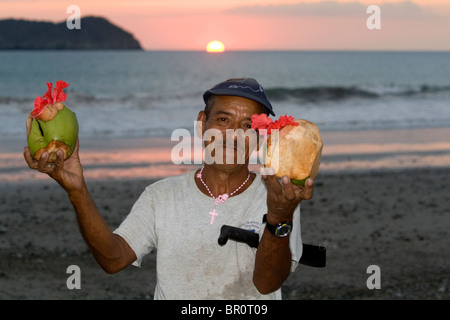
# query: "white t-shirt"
x,y
173,216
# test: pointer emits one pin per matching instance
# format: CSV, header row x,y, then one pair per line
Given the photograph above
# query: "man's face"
x,y
230,117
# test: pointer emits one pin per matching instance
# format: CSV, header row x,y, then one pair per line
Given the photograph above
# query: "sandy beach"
x,y
381,202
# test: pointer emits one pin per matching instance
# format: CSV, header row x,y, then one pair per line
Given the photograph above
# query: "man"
x,y
181,216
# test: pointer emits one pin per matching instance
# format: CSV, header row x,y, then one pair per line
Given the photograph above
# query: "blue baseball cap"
x,y
246,88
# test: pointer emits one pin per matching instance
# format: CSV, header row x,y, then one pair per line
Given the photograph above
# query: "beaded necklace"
x,y
221,198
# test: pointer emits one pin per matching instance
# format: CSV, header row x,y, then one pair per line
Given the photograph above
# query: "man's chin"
x,y
228,167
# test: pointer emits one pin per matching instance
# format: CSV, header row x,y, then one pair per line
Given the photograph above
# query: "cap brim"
x,y
226,92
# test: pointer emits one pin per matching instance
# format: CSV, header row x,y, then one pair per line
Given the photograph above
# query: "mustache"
x,y
238,144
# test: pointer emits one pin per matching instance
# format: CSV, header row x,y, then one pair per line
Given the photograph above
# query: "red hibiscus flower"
x,y
39,105
262,121
52,96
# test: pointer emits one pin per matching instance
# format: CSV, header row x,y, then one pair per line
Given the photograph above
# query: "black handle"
x,y
312,256
238,234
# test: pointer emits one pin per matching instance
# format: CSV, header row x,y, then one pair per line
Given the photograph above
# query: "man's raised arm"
x,y
110,250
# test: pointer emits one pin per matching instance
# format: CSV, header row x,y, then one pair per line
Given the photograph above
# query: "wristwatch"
x,y
279,230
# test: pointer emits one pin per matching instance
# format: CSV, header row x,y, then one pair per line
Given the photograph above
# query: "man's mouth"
x,y
233,147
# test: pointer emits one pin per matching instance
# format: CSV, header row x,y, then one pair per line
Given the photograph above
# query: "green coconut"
x,y
61,132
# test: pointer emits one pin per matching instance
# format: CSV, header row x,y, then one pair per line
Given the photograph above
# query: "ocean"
x,y
140,94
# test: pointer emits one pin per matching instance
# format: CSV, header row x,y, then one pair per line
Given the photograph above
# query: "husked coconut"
x,y
295,151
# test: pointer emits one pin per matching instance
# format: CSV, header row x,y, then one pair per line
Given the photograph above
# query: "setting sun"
x,y
215,46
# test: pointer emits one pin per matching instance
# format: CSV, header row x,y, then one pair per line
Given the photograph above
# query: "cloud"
x,y
405,9
325,8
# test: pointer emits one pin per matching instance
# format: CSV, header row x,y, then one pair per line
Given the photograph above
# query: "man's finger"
x,y
59,162
289,191
77,146
32,163
308,189
43,164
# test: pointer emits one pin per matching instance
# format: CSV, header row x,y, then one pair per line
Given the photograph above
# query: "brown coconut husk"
x,y
295,151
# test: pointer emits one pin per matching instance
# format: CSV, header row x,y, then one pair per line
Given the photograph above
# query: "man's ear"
x,y
258,137
201,124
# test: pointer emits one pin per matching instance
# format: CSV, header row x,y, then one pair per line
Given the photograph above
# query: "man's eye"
x,y
222,119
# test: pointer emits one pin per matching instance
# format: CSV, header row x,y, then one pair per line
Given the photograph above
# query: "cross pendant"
x,y
213,214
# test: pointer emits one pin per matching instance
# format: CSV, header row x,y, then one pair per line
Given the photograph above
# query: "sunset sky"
x,y
259,24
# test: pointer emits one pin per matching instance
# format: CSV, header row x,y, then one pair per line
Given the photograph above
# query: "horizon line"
x,y
253,50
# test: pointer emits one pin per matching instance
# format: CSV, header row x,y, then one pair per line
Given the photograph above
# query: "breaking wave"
x,y
324,93
305,94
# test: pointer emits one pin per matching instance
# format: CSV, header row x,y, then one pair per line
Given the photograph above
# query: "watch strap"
x,y
273,228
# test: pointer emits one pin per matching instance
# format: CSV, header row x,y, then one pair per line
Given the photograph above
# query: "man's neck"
x,y
225,180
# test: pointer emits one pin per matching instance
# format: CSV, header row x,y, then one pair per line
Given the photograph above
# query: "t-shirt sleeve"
x,y
138,228
295,240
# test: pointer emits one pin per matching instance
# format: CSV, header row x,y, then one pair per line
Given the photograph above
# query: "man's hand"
x,y
69,173
284,196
